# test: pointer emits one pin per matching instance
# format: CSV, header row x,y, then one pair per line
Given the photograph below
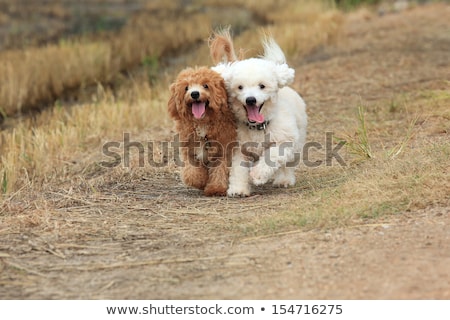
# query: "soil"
x,y
149,237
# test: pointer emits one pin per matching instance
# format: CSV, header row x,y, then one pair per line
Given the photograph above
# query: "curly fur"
x,y
258,93
206,134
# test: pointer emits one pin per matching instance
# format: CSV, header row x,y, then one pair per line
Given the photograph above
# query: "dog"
x,y
271,117
206,125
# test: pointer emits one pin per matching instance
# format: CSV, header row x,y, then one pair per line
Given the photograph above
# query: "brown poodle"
x,y
198,104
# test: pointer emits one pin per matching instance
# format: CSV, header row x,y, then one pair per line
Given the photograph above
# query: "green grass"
x,y
350,4
152,67
4,183
397,149
358,143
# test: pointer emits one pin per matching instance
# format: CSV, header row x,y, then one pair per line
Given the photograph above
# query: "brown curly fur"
x,y
206,143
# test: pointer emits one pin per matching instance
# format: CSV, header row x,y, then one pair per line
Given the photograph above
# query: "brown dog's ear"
x,y
172,104
219,96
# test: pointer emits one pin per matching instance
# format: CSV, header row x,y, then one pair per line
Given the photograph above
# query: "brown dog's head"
x,y
196,94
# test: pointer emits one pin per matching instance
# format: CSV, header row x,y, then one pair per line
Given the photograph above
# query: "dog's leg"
x,y
218,180
239,177
194,174
261,172
272,159
284,177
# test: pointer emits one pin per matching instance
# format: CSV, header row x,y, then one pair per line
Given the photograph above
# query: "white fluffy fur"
x,y
265,79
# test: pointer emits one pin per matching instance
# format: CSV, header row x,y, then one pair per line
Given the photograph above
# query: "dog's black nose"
x,y
195,94
250,100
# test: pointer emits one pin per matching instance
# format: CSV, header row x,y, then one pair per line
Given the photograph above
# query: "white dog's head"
x,y
253,84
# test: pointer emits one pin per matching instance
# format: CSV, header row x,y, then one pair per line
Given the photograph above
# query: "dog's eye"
x,y
261,86
187,88
240,87
205,86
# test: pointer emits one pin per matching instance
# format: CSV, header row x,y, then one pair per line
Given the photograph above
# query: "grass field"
x,y
367,82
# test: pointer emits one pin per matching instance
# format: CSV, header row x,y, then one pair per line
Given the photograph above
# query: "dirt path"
x,y
148,237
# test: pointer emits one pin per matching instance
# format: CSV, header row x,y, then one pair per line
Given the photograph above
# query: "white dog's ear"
x,y
224,69
285,75
220,68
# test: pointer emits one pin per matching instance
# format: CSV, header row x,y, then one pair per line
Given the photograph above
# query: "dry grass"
x,y
310,28
34,77
298,26
40,150
37,76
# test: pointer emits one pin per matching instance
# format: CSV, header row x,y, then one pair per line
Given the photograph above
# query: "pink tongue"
x,y
198,109
253,114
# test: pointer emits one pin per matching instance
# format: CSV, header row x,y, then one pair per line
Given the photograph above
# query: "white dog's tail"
x,y
272,51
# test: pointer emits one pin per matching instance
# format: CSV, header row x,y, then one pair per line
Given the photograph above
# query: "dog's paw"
x,y
283,183
215,190
239,191
260,174
284,180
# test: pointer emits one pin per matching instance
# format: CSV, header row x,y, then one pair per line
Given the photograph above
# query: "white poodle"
x,y
271,117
